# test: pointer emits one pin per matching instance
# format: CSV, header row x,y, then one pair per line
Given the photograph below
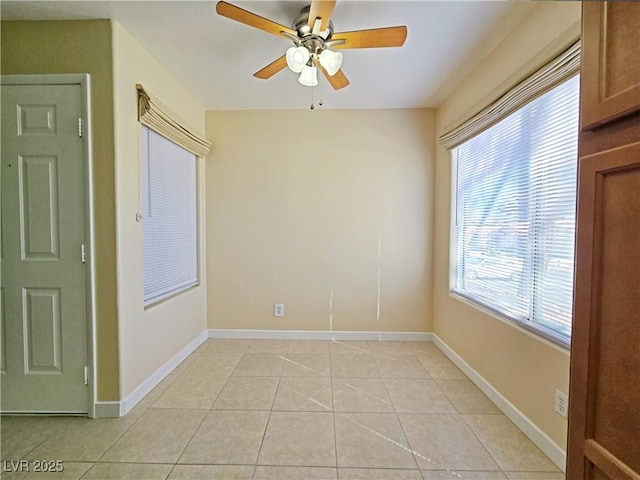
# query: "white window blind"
x,y
169,201
515,214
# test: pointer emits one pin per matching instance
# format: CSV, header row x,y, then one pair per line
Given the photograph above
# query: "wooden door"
x,y
604,394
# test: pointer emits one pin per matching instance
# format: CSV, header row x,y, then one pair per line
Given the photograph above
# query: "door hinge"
x,y
83,253
86,375
80,127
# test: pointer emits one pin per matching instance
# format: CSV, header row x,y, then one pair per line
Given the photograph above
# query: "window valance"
x,y
157,117
553,73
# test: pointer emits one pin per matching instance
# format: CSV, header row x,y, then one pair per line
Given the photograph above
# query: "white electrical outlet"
x,y
562,403
278,310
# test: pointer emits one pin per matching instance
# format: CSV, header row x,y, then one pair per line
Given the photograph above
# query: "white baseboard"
x,y
537,436
118,409
319,335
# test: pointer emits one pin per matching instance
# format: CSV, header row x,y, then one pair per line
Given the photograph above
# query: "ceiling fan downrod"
x,y
301,25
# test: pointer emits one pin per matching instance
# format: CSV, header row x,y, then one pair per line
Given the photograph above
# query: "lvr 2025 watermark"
x,y
37,466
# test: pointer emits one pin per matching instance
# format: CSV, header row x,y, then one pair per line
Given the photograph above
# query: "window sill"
x,y
169,296
563,346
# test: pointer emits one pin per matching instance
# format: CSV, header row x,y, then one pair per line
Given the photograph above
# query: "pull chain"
x,y
312,106
320,103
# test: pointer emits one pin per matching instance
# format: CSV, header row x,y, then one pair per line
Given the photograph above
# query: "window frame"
x,y
536,328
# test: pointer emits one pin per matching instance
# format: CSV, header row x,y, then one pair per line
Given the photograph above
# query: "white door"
x,y
44,314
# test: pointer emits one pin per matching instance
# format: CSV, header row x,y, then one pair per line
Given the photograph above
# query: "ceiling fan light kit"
x,y
331,61
309,76
314,38
297,58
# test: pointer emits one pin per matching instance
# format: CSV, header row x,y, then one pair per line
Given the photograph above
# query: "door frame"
x,y
84,81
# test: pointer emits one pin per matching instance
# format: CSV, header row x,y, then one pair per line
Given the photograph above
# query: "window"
x,y
170,217
515,194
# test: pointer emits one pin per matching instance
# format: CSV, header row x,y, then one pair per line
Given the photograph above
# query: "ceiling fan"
x,y
314,41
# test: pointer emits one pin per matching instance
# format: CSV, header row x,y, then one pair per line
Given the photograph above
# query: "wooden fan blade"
x,y
321,9
273,68
243,16
376,37
338,81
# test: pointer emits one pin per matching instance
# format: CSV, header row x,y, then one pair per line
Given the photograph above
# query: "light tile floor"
x,y
260,409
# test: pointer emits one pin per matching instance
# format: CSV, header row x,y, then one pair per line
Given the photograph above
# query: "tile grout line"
x,y
464,420
395,410
23,457
266,427
333,413
379,377
188,442
414,453
118,438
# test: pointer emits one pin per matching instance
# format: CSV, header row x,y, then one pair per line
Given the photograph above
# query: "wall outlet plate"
x,y
561,403
278,310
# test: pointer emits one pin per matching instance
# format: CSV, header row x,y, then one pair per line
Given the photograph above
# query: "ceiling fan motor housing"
x,y
313,44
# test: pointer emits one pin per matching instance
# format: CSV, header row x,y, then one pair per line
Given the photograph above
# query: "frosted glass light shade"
x,y
331,61
297,58
309,76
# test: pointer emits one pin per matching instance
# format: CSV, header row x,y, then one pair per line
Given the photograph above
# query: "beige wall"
x,y
82,47
297,202
148,338
131,343
524,368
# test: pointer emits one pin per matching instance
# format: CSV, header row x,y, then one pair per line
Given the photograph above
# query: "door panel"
x,y
43,328
618,302
39,236
44,347
604,418
37,119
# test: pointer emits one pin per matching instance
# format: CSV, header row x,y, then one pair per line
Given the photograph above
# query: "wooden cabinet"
x,y
604,396
610,61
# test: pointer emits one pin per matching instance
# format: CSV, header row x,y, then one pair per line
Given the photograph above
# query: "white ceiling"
x,y
214,58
